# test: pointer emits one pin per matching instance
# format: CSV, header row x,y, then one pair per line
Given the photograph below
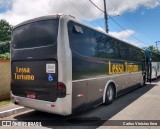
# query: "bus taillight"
x,y
61,90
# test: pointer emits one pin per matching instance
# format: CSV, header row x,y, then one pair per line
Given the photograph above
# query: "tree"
x,y
152,48
5,38
5,31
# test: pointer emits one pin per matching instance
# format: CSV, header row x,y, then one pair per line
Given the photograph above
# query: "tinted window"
x,y
88,42
124,50
35,34
135,54
129,52
141,55
104,46
132,53
80,40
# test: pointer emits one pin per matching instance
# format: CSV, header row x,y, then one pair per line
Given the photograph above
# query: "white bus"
x,y
155,63
62,66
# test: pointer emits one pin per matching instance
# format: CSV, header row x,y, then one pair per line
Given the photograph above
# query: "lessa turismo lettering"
x,y
22,70
23,74
122,68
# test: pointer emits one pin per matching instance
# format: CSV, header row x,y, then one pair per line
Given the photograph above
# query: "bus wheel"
x,y
110,94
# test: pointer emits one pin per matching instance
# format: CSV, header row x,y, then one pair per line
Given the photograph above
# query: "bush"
x,y
5,37
5,56
4,47
5,30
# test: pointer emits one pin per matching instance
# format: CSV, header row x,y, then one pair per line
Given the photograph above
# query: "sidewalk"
x,y
11,109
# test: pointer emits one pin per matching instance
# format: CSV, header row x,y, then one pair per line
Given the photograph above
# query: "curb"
x,y
13,111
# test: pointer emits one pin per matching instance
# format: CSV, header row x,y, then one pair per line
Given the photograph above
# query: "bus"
x,y
62,66
154,59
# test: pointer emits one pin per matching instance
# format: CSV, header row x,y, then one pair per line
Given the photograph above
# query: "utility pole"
x,y
157,44
105,16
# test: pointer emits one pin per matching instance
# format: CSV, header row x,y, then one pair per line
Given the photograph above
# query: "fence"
x,y
5,75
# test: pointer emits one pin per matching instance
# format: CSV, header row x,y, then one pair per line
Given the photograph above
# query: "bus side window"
x,y
124,51
80,40
104,46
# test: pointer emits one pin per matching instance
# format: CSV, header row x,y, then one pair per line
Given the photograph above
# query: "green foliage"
x,y
5,38
5,31
4,47
152,48
5,56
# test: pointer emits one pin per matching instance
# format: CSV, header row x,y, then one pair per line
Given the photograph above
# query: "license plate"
x,y
31,95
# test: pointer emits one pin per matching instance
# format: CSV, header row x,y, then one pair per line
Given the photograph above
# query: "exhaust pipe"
x,y
16,102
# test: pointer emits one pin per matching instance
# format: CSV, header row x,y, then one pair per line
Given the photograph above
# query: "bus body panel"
x,y
155,70
34,81
89,93
65,64
57,107
154,59
158,69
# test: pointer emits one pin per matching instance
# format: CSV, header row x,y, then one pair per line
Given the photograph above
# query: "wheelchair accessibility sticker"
x,y
50,77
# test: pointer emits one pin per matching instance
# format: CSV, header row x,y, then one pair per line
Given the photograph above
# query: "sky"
x,y
134,21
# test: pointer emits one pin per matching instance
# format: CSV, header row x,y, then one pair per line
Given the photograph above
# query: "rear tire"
x,y
110,94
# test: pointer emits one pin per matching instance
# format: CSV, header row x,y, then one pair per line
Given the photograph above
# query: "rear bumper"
x,y
62,106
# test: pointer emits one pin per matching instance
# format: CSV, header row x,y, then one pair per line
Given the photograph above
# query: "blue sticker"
x,y
50,77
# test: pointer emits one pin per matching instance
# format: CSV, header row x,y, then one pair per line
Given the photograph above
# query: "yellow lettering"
x,y
23,77
23,74
121,68
132,68
22,70
109,64
116,68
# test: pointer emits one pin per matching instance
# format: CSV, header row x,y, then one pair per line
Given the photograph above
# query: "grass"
x,y
2,103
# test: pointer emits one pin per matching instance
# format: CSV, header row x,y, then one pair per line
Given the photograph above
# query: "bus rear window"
x,y
36,34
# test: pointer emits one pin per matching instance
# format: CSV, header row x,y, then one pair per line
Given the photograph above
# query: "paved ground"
x,y
8,107
140,104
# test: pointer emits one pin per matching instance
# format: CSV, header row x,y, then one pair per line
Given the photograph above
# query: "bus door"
x,y
149,71
148,66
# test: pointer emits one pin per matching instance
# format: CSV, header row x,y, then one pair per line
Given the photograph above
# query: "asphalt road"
x,y
140,104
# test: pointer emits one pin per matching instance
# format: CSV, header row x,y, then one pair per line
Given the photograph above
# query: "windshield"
x,y
36,34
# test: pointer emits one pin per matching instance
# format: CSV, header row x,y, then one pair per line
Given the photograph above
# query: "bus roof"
x,y
54,16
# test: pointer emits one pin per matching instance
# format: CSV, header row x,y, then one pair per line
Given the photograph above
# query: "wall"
x,y
4,79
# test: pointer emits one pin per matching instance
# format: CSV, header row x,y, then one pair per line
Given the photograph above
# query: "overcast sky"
x,y
133,15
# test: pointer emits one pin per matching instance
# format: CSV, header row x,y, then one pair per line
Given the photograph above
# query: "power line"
x,y
84,4
126,30
118,23
77,7
123,27
96,6
105,14
124,17
81,6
